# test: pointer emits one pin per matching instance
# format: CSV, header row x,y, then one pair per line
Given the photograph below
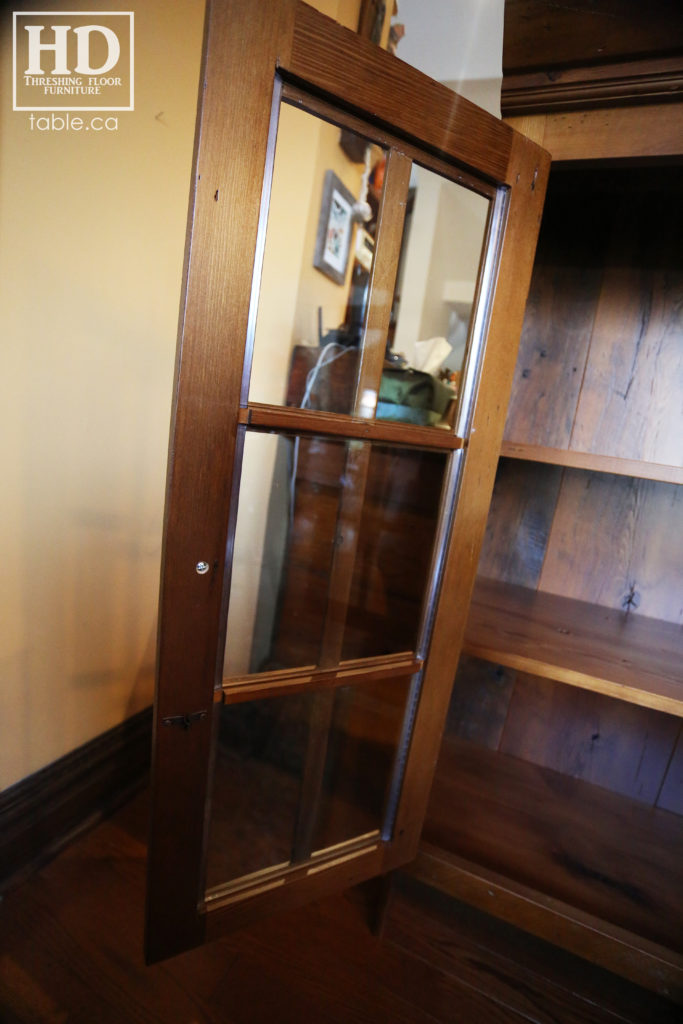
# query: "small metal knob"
x,y
202,568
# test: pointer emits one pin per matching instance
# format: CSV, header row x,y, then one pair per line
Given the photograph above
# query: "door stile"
x,y
241,55
526,174
449,499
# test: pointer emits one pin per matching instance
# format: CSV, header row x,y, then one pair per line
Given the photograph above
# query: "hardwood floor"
x,y
71,953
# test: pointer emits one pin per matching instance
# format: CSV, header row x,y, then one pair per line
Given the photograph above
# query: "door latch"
x,y
184,721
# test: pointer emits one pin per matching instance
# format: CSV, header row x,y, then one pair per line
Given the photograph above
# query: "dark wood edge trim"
x,y
309,882
348,673
592,462
595,86
614,948
41,814
308,421
270,878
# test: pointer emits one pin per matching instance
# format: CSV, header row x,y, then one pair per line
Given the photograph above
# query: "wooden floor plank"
x,y
516,969
71,953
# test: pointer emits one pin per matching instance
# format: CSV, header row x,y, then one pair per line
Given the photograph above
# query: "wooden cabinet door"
x,y
327,522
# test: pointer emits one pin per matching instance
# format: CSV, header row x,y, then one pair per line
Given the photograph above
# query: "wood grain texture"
x,y
406,100
519,522
243,53
230,159
558,323
308,421
596,463
280,682
386,138
671,794
541,994
539,34
621,132
653,80
596,648
590,54
479,701
587,735
70,949
563,837
616,541
600,368
593,940
630,403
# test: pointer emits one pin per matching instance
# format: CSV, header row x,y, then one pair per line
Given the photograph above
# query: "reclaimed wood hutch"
x,y
558,800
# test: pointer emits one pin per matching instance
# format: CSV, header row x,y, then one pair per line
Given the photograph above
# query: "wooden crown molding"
x,y
654,80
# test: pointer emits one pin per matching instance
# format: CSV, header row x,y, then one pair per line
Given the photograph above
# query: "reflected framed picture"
x,y
333,238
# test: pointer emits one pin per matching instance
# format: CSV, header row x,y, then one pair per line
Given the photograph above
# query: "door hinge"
x,y
184,721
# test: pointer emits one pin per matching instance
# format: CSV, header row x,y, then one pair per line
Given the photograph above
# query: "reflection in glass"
x,y
442,247
332,551
395,541
316,266
258,767
282,553
293,775
363,738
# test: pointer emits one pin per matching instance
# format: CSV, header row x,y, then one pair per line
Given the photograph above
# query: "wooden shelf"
x,y
597,463
547,852
597,648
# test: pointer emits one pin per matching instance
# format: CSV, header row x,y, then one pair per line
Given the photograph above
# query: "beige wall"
x,y
92,228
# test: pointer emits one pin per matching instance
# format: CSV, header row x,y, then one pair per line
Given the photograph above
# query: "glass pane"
x,y
300,773
332,550
282,553
363,739
443,242
261,750
395,542
316,268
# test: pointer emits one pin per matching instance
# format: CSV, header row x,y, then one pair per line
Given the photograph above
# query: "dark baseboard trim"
x,y
42,813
